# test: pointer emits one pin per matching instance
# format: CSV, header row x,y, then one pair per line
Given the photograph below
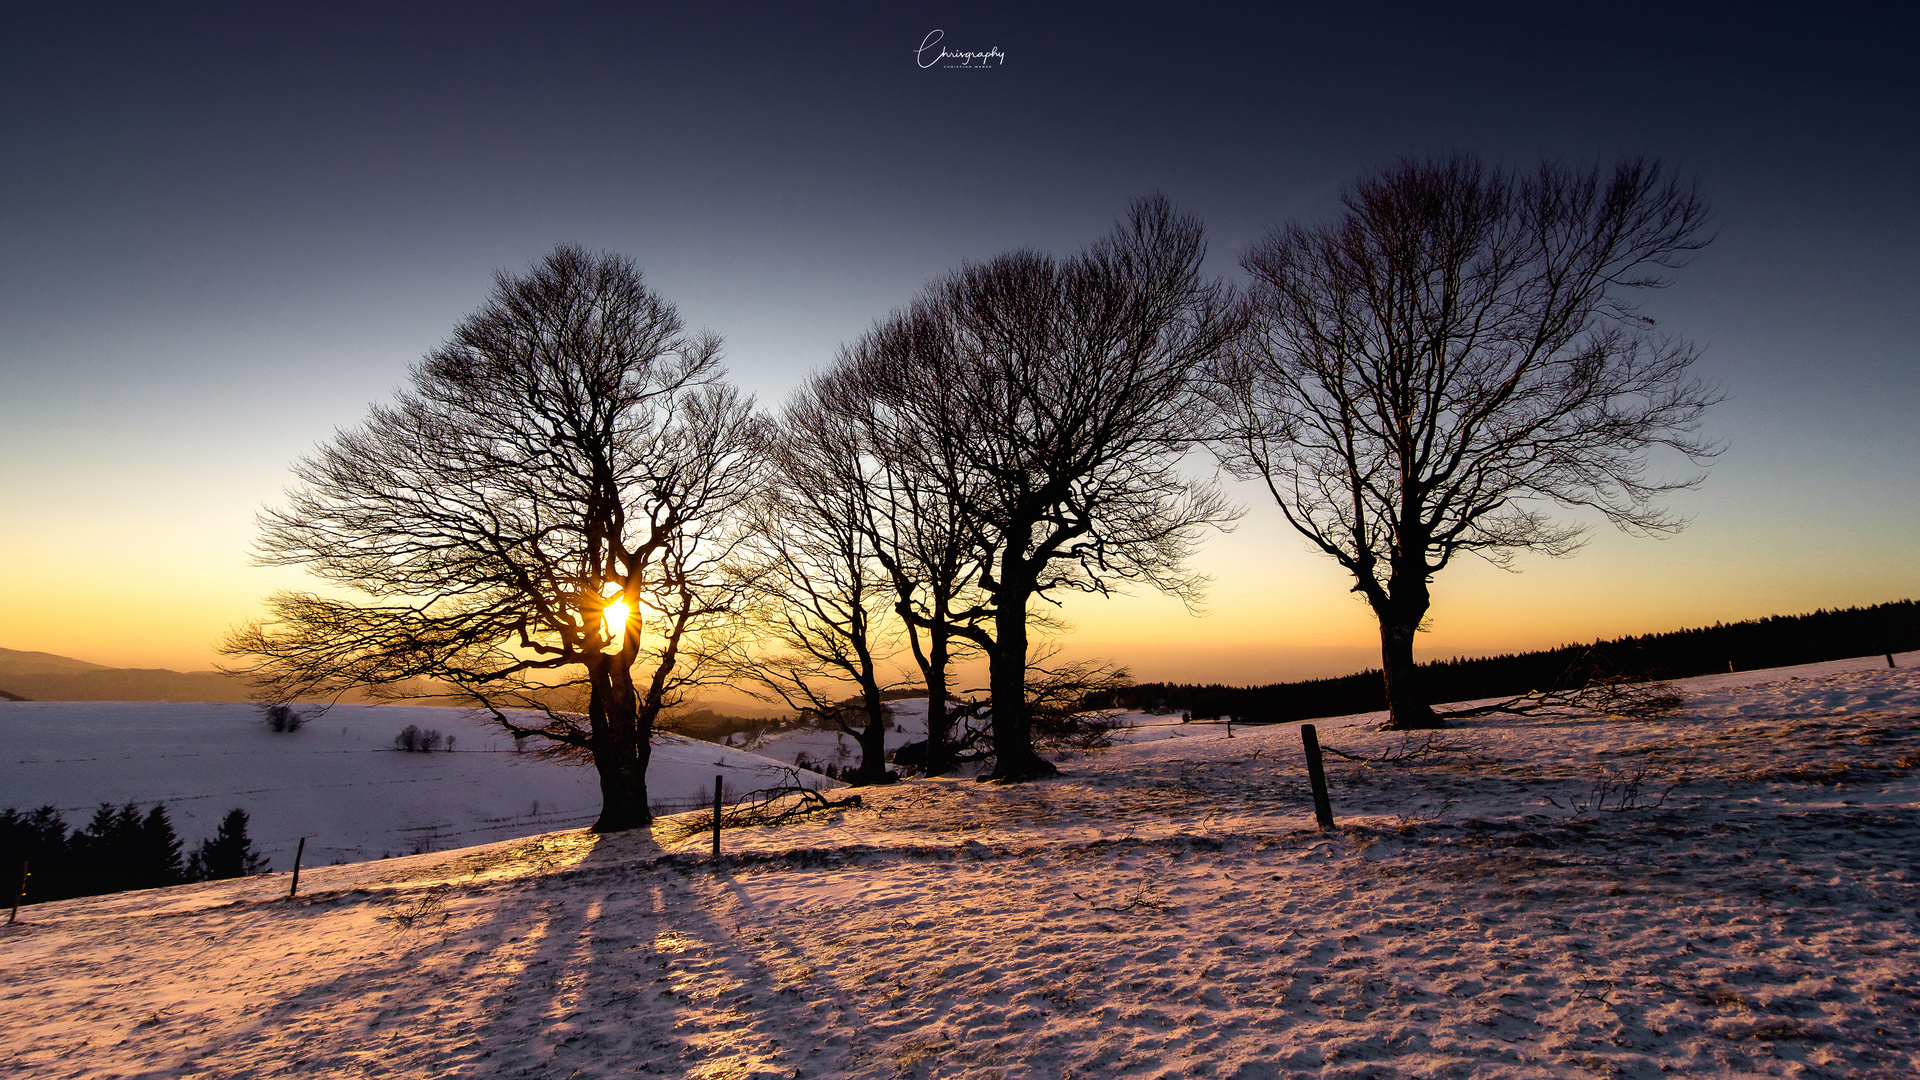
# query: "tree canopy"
x,y
570,451
1454,356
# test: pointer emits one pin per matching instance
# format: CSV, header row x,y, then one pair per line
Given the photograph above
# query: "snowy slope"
x,y
337,781
907,720
1164,909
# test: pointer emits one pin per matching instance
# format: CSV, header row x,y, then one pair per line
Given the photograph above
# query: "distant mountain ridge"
x,y
40,676
16,662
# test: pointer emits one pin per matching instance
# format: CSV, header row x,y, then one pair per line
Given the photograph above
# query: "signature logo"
x,y
927,56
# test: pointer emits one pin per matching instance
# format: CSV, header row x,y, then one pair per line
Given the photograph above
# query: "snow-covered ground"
x,y
816,747
1163,909
338,781
907,721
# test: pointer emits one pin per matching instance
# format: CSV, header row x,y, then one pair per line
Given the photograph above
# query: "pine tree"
x,y
229,854
37,840
103,856
157,862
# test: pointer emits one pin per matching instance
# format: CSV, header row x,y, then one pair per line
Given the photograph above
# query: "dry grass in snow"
x,y
1728,892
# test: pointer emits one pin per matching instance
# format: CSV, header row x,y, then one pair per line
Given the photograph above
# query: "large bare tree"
x,y
567,454
821,618
1050,401
1453,356
914,523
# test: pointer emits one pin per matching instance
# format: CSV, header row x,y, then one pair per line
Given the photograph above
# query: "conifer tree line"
x,y
119,848
1775,641
569,517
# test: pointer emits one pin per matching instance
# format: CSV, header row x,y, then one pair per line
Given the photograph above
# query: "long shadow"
x,y
608,964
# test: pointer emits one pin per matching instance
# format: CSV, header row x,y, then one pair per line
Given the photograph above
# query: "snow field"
x,y
1165,909
338,781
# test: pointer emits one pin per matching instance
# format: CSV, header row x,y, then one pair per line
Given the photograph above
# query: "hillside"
x,y
127,684
39,676
16,662
1726,892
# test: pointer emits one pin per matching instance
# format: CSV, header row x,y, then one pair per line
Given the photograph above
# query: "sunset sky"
x,y
225,230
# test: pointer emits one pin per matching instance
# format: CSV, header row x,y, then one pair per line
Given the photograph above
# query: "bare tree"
x,y
567,454
916,528
822,609
1454,355
1051,404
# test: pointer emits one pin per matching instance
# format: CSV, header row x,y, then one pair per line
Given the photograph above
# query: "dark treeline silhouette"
x,y
414,740
119,849
1776,641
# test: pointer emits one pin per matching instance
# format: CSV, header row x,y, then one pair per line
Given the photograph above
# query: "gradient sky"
x,y
224,230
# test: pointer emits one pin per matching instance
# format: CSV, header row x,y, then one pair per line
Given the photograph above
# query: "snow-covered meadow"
x,y
1163,909
338,781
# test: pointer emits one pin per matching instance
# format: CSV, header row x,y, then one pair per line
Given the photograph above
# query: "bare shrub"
x,y
416,740
421,909
1628,787
282,717
1145,896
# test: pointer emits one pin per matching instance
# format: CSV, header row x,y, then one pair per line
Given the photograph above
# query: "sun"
x,y
614,618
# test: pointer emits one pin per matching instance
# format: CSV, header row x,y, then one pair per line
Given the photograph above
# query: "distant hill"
x,y
39,676
15,662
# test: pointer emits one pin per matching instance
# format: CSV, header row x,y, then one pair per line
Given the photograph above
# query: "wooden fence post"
x,y
1890,662
297,853
20,895
1317,777
716,819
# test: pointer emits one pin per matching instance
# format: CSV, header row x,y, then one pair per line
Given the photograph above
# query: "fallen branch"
x,y
421,908
1412,748
776,805
1638,700
1143,897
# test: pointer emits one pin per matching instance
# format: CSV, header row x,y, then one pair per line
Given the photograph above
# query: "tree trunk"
x,y
620,748
1013,754
873,737
939,721
1400,612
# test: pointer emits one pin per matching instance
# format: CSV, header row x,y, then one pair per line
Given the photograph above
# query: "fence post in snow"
x,y
20,895
716,819
1317,777
297,853
1890,662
